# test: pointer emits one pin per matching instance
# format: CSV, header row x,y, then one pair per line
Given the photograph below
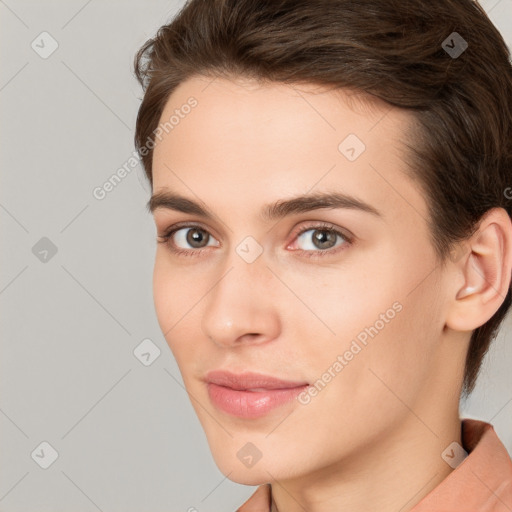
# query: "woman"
x,y
329,187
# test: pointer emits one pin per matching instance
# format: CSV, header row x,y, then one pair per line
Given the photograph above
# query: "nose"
x,y
242,306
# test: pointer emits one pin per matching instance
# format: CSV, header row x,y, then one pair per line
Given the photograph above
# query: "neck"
x,y
391,476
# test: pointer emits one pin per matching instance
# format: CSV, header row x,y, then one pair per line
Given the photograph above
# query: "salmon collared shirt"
x,y
482,482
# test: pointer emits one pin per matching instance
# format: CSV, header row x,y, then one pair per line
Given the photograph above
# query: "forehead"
x,y
238,108
250,139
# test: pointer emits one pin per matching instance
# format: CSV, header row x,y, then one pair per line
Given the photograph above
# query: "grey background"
x,y
126,434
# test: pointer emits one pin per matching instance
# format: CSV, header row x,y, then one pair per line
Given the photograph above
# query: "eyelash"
x,y
320,226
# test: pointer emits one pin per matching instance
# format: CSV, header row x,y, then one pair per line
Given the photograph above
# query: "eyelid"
x,y
185,224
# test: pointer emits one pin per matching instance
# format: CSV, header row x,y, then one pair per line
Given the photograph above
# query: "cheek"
x,y
174,295
177,292
163,296
394,360
371,387
384,336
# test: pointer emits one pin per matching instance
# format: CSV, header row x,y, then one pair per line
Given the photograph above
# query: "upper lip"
x,y
249,380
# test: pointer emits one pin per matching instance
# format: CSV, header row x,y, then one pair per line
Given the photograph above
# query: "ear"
x,y
485,269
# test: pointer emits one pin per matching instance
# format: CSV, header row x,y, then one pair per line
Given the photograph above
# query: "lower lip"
x,y
250,404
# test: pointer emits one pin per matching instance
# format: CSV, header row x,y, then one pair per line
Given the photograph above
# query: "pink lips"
x,y
249,395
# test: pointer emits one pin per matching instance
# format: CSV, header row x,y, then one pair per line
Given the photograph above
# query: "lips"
x,y
250,395
250,381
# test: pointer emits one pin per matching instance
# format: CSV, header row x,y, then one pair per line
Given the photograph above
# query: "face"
x,y
339,295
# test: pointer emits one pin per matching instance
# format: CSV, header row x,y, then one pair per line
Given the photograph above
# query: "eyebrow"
x,y
274,211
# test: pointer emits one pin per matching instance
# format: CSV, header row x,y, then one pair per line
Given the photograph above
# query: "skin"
x,y
372,438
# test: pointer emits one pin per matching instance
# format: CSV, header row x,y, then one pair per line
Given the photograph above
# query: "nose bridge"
x,y
239,302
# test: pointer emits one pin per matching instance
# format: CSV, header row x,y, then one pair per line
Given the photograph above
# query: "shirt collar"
x,y
482,481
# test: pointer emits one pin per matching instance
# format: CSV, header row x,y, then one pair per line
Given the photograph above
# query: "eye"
x,y
196,237
188,239
320,240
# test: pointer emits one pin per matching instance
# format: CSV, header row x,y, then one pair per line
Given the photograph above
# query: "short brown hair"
x,y
460,152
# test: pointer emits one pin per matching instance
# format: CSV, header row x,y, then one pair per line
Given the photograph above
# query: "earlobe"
x,y
486,272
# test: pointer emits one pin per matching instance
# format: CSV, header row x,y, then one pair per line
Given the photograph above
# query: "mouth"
x,y
250,381
250,395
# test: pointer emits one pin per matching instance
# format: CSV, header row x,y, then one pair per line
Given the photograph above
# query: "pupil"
x,y
324,239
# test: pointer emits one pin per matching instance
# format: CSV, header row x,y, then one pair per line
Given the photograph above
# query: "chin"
x,y
250,476
236,471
